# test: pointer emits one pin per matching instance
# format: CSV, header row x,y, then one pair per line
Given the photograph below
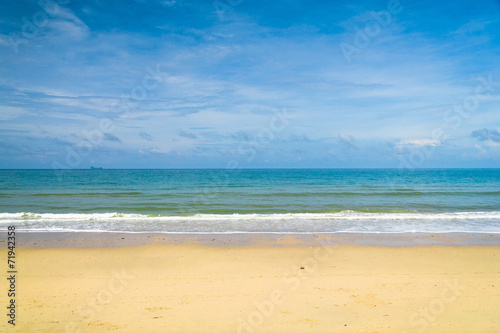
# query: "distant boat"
x,y
93,168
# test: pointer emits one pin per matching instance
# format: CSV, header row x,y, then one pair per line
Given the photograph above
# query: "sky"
x,y
249,84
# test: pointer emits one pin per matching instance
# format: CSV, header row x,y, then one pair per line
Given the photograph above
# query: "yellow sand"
x,y
187,288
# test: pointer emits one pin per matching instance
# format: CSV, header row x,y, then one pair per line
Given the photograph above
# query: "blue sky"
x,y
240,83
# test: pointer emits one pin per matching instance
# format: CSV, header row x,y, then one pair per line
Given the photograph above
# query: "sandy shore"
x,y
252,284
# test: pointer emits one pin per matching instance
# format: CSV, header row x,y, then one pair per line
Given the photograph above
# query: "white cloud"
x,y
492,144
347,139
417,143
67,24
10,112
472,26
169,3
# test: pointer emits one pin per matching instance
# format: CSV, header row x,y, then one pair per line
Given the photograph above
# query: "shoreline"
x,y
86,239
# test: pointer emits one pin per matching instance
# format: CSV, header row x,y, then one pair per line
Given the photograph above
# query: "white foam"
x,y
344,215
347,221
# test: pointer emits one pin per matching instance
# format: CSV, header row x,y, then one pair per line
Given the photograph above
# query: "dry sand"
x,y
257,288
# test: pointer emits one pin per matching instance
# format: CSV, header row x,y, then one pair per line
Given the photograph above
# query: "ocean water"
x,y
265,200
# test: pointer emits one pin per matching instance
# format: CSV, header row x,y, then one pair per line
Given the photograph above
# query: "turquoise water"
x,y
269,200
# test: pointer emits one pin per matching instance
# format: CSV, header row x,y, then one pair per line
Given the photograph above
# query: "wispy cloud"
x,y
417,143
346,139
485,134
112,138
145,136
188,135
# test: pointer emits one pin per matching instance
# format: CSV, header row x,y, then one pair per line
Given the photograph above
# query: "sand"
x,y
293,287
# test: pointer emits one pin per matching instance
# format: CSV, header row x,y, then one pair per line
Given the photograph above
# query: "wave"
x,y
344,221
344,214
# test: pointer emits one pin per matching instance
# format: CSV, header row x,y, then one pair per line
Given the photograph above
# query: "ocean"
x,y
252,201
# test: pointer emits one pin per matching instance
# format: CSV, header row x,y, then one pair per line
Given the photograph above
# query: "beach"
x,y
103,282
285,250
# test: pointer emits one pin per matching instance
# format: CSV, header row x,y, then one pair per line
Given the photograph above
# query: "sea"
x,y
252,200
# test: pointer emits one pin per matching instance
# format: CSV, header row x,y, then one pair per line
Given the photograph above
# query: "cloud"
x,y
298,138
111,137
417,143
168,3
473,26
346,139
485,134
481,149
10,112
146,136
188,135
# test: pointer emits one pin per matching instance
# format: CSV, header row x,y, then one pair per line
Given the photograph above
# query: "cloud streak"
x,y
485,134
